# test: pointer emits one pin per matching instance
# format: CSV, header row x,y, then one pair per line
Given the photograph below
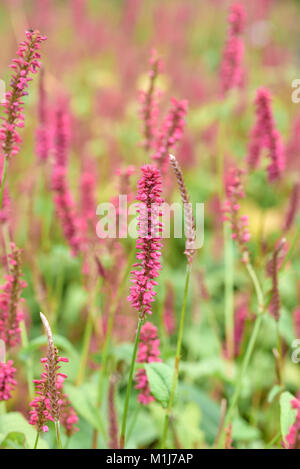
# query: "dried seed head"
x,y
188,213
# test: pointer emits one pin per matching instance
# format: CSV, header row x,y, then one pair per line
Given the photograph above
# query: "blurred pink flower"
x,y
231,72
7,380
170,133
265,135
10,312
148,352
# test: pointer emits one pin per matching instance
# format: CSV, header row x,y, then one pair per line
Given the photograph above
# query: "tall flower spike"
x,y
231,67
10,298
148,353
7,375
26,63
51,404
148,244
171,132
239,223
149,102
265,135
189,223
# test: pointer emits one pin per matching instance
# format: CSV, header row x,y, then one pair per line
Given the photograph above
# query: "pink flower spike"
x,y
148,353
148,243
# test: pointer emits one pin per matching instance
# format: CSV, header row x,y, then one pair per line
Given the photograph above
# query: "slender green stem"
x,y
4,174
85,348
258,289
177,358
249,351
57,431
36,440
29,362
2,408
229,279
129,384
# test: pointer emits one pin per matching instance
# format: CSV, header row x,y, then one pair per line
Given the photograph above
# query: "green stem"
x,y
29,362
85,348
2,408
57,431
177,358
249,350
129,384
229,279
4,174
36,440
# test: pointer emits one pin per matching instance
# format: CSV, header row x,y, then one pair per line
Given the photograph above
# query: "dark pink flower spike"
x,y
273,267
27,62
149,103
148,352
231,73
231,208
10,299
7,375
148,244
50,403
265,135
170,133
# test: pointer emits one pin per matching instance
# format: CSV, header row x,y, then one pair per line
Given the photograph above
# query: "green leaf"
x,y
287,413
14,440
160,380
274,392
15,423
83,403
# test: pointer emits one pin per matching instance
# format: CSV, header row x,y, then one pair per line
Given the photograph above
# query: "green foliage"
x,y
16,431
160,380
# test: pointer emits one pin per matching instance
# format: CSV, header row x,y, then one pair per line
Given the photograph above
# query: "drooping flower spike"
x,y
231,72
10,298
148,353
148,244
50,403
189,222
7,375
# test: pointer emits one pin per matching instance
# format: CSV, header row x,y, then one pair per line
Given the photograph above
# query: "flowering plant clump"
x,y
182,329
